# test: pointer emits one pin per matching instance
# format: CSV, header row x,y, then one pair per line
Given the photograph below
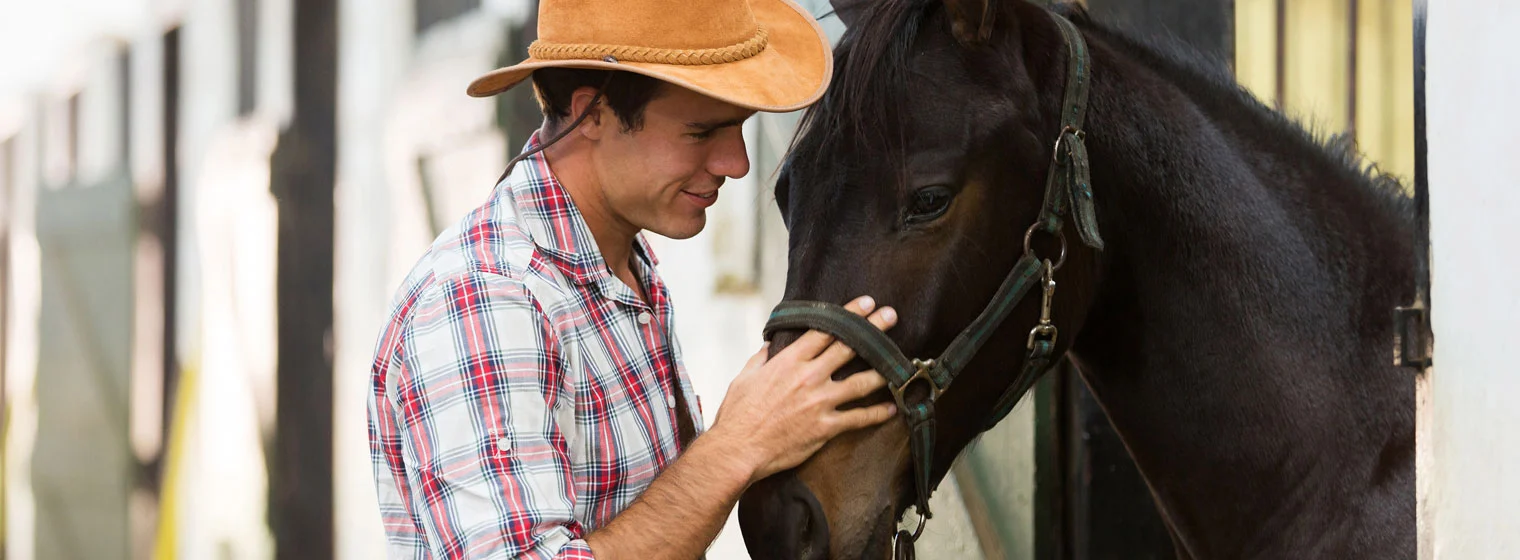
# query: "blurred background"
x,y
205,206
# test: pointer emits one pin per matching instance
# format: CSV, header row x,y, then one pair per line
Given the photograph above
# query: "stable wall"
x,y
1472,479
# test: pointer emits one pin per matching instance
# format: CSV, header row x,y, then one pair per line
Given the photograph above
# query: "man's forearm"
x,y
682,510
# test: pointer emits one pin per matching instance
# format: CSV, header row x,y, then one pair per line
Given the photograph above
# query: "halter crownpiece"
x,y
917,384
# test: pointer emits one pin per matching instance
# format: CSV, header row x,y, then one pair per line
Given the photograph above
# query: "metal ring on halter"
x,y
1060,235
897,539
922,520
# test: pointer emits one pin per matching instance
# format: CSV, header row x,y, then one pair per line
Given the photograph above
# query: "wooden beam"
x,y
303,174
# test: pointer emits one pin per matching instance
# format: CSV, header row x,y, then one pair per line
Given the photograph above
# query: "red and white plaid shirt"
x,y
521,394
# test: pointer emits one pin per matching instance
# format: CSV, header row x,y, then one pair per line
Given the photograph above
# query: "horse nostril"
x,y
804,524
782,519
812,524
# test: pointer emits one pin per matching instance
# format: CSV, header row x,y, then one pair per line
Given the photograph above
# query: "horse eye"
x,y
929,203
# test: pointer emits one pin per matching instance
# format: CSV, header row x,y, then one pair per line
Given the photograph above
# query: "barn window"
x,y
1341,66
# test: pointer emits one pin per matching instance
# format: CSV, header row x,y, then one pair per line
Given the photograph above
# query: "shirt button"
x,y
670,401
503,445
645,318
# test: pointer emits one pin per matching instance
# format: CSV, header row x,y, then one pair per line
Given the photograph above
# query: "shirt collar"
x,y
549,216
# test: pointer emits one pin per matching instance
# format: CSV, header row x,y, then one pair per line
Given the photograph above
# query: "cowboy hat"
x,y
764,55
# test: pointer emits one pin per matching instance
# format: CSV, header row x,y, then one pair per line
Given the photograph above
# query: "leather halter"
x,y
916,384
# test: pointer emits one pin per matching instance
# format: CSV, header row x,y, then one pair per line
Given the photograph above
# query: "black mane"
x,y
876,51
1209,79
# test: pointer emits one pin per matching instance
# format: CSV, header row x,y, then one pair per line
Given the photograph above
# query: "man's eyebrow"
x,y
714,125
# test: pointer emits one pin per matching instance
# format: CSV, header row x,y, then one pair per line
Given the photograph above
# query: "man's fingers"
x,y
884,318
857,418
809,345
758,359
813,343
839,353
860,385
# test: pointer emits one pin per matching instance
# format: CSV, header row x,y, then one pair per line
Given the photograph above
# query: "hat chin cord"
x,y
573,124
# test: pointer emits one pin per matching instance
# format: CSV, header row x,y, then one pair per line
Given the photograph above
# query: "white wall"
x,y
1474,132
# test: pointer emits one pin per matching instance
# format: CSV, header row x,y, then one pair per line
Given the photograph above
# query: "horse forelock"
x,y
869,89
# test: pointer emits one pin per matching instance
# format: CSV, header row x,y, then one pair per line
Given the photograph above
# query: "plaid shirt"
x,y
521,395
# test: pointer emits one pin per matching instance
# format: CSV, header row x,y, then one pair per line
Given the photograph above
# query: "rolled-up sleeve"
x,y
480,376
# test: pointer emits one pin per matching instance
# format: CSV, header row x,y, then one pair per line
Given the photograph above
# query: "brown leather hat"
x,y
765,55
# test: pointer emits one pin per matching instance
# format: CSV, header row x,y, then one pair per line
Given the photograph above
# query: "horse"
x,y
1236,325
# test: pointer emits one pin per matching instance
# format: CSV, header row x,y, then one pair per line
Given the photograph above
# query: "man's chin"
x,y
681,229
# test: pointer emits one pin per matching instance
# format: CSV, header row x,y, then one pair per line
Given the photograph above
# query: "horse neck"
x,y
1241,331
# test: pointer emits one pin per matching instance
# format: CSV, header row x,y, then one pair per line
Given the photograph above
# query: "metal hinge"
x,y
1411,337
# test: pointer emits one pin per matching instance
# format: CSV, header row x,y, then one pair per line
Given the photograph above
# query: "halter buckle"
x,y
921,372
1079,134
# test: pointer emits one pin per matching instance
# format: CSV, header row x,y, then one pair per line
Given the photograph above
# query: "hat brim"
x,y
790,74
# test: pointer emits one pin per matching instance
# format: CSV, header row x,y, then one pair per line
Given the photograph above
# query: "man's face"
x,y
664,176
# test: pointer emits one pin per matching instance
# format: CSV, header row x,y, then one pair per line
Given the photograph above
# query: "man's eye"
x,y
702,135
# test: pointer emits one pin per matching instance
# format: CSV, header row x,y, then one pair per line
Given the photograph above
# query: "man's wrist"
x,y
727,454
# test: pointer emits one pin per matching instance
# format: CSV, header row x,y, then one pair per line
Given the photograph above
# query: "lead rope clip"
x,y
1045,330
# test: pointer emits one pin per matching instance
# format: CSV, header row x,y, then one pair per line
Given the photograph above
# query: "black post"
x,y
1421,168
1413,340
1353,13
166,226
303,171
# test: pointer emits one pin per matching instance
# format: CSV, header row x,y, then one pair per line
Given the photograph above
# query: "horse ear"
x,y
970,20
849,11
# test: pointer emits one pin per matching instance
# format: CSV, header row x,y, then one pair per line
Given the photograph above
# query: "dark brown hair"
x,y
626,93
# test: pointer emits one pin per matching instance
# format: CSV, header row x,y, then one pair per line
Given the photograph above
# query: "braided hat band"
x,y
624,53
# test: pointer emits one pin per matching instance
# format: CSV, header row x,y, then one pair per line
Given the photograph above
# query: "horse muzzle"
x,y
781,519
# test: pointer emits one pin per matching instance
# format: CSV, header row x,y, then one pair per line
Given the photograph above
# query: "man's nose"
x,y
731,159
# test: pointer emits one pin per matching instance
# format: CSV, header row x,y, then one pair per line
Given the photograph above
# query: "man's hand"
x,y
778,412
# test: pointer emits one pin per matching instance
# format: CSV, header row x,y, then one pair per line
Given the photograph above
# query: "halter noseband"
x,y
917,384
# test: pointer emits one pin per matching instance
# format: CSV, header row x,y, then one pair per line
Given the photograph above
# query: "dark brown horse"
x,y
1237,326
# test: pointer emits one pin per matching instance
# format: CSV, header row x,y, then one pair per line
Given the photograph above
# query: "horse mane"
x,y
1204,76
871,72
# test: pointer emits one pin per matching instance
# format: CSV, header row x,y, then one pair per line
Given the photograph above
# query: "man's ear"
x,y
971,20
580,102
849,11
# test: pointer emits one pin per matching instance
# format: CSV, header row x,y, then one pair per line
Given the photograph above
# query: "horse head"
x,y
917,180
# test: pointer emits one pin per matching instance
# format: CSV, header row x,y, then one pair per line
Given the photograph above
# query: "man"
x,y
528,399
